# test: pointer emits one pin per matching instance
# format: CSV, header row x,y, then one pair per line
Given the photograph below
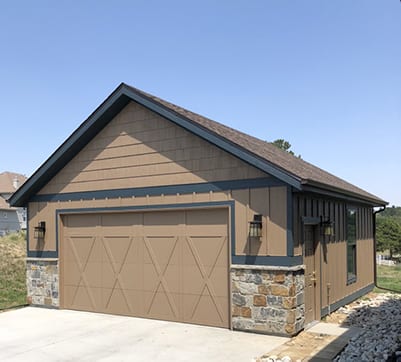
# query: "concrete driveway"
x,y
37,334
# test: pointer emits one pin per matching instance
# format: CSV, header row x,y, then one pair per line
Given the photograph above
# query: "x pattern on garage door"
x,y
170,265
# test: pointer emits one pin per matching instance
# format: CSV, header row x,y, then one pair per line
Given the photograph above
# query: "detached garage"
x,y
153,211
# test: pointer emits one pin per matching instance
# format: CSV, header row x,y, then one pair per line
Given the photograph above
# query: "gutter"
x,y
374,253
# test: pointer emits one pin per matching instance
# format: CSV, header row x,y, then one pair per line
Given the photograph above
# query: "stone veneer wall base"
x,y
268,299
42,282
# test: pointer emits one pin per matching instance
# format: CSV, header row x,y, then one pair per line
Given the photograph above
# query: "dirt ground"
x,y
306,345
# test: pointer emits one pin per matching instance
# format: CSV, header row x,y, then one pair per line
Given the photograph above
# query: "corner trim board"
x,y
290,223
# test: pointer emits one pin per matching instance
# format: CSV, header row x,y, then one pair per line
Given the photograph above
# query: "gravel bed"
x,y
380,320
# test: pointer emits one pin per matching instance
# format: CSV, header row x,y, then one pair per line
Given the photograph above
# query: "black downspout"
x,y
374,248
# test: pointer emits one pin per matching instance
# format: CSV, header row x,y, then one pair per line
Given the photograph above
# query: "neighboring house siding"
x,y
139,148
8,221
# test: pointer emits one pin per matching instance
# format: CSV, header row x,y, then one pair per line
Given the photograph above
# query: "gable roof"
x,y
292,170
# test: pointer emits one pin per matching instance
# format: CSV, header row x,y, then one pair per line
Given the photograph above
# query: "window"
x,y
351,245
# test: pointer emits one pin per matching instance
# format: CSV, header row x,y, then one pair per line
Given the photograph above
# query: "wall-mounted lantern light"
x,y
39,231
327,226
255,226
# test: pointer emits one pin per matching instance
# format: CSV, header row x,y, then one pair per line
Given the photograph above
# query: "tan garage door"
x,y
170,265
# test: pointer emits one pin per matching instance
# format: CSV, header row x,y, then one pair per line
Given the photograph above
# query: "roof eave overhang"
x,y
325,190
104,114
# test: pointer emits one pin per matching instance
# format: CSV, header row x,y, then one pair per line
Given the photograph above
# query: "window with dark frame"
x,y
351,244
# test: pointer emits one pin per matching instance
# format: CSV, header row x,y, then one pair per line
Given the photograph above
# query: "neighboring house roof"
x,y
3,204
10,182
294,171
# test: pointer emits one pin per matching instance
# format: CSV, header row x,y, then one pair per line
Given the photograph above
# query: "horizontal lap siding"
x,y
334,251
138,148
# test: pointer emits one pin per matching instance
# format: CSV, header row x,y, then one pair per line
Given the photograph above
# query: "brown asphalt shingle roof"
x,y
7,180
269,158
297,167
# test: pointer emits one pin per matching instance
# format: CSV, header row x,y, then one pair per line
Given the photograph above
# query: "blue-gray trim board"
x,y
290,223
161,190
348,299
267,260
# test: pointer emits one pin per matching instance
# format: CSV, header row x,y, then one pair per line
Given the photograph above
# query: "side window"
x,y
351,245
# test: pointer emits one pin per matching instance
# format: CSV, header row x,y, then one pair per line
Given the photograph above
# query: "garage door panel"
x,y
83,222
204,310
73,277
79,248
135,252
121,220
92,274
171,282
218,281
208,251
115,301
117,247
162,306
86,298
131,276
207,311
151,279
161,251
193,281
161,220
135,301
170,265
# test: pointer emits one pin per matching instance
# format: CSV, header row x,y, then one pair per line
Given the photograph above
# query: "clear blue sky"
x,y
324,75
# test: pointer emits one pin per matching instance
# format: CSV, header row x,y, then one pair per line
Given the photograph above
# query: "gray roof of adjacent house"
x,y
294,171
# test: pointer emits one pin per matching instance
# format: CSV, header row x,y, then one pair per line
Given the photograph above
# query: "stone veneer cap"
x,y
268,267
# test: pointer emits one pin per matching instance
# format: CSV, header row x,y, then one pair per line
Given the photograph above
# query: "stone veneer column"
x,y
268,299
42,281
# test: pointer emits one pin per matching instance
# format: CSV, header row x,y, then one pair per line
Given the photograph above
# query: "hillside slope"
x,y
12,270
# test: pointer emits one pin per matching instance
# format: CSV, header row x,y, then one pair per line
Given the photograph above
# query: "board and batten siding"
x,y
139,148
334,284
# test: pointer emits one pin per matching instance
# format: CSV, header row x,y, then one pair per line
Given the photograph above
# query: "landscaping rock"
x,y
380,320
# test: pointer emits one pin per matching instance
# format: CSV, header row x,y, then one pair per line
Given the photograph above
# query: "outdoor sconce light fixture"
x,y
40,230
327,226
255,226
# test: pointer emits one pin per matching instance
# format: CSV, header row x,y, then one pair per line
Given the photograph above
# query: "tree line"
x,y
388,222
388,231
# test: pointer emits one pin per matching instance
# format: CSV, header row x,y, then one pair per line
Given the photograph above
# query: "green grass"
x,y
389,277
12,270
